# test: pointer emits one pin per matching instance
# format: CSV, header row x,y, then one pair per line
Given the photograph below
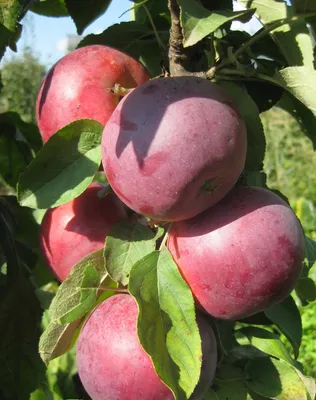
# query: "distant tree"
x,y
21,78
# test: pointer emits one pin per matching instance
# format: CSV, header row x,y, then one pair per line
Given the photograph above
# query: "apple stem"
x,y
119,91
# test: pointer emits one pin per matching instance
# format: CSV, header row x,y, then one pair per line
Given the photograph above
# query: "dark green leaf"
x,y
303,6
231,390
10,29
218,4
50,8
275,379
153,8
64,167
15,154
167,327
27,131
306,289
265,341
134,38
310,252
84,13
301,113
125,244
255,178
197,22
263,94
21,369
250,114
224,334
286,317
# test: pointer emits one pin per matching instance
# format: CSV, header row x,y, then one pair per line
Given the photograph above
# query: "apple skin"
x,y
112,364
73,230
242,255
174,147
77,86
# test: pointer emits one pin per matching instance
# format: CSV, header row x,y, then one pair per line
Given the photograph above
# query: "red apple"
x,y
242,255
174,147
73,230
77,87
112,364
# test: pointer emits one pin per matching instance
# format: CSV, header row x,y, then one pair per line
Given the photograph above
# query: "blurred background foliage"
x,y
21,78
290,165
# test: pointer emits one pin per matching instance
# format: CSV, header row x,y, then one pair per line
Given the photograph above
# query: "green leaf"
x,y
28,131
75,297
57,339
303,6
231,390
310,252
306,211
293,39
43,394
265,341
306,289
309,383
287,318
126,244
300,82
50,8
70,300
84,13
64,167
15,154
250,114
167,327
10,29
21,369
301,113
197,22
224,334
275,379
135,39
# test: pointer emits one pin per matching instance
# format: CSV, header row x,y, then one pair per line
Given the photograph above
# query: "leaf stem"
x,y
108,289
154,28
164,240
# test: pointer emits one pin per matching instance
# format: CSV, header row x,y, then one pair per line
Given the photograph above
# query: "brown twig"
x,y
182,59
179,56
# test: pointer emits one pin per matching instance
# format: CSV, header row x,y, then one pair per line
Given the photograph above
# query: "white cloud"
x,y
62,45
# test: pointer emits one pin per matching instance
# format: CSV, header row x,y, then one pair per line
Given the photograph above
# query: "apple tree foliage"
x,y
39,319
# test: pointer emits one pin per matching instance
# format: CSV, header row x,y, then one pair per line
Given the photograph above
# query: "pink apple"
x,y
73,230
112,364
242,255
77,86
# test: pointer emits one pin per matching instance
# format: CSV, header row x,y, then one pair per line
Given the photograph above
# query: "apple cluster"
x,y
173,149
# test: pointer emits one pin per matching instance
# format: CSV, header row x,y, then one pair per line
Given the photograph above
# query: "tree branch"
x,y
179,57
